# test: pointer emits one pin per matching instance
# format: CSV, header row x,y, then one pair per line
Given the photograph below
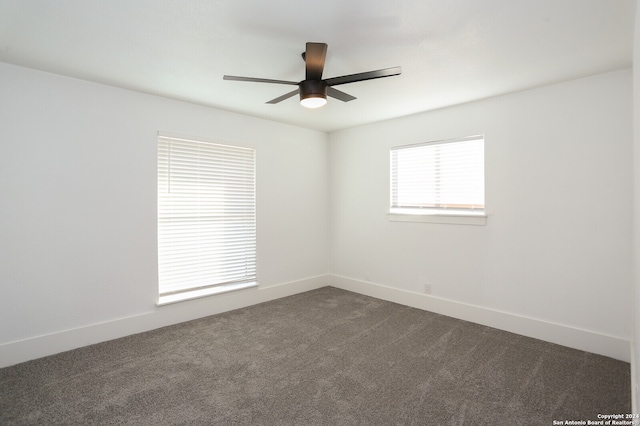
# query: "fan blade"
x,y
335,93
352,78
283,97
314,58
257,80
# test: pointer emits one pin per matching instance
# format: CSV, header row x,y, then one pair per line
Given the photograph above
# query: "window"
x,y
442,179
206,218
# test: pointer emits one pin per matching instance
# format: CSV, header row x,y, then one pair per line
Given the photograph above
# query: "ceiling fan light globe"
x,y
313,102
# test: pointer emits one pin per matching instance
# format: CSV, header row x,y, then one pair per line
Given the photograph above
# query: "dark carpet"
x,y
325,357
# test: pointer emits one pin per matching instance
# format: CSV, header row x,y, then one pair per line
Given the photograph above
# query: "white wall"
x,y
557,244
78,210
635,367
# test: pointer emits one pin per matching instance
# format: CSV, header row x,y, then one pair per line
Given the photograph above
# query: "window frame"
x,y
168,296
462,216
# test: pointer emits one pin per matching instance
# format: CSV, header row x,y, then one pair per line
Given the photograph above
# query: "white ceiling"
x,y
450,51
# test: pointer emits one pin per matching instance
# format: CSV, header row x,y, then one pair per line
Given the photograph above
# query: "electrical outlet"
x,y
427,288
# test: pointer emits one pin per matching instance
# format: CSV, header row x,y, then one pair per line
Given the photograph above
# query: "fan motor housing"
x,y
313,89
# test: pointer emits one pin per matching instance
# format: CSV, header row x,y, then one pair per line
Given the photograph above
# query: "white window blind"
x,y
206,215
438,177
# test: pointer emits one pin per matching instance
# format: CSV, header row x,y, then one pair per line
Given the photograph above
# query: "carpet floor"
x,y
324,357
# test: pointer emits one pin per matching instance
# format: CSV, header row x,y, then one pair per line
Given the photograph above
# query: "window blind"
x,y
446,175
206,215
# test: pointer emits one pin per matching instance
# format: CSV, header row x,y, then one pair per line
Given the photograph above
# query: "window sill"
x,y
167,299
444,218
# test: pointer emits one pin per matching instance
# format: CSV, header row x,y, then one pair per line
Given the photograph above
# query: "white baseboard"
x,y
611,346
36,347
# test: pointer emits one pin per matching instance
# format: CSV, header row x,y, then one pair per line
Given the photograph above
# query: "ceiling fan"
x,y
313,89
